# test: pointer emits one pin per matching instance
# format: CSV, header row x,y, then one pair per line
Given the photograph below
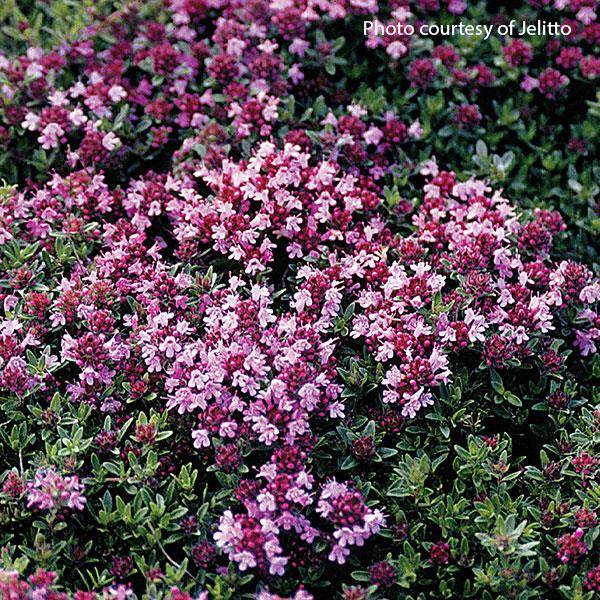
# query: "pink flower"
x,y
51,136
373,135
117,93
396,49
169,346
586,14
457,7
299,47
413,403
529,83
295,74
31,122
415,130
338,554
584,340
110,141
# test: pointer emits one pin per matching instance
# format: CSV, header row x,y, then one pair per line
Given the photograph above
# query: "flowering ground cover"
x,y
289,311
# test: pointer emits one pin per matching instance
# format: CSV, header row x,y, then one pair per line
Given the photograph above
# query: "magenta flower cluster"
x,y
43,584
251,371
571,547
229,288
51,491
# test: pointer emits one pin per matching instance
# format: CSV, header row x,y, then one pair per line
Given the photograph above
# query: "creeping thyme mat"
x,y
288,311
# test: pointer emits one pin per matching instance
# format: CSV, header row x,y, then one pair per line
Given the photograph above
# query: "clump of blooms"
x,y
490,282
38,585
13,485
467,116
276,199
383,574
439,553
244,304
586,466
265,381
354,522
592,580
251,542
518,52
300,594
51,491
550,82
44,584
571,548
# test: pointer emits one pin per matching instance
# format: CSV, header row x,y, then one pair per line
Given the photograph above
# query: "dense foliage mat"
x,y
290,311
